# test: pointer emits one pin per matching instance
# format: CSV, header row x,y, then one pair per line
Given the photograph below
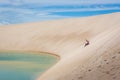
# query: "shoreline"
x,y
33,52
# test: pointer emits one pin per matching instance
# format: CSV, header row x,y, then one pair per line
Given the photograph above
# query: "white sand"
x,y
66,38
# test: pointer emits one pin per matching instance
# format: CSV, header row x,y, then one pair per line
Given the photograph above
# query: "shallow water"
x,y
24,66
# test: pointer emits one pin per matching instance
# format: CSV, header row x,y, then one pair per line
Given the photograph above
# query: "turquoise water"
x,y
24,66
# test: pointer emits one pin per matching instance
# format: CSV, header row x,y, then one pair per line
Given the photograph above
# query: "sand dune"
x,y
66,38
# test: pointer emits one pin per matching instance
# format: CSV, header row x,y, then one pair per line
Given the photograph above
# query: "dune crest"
x,y
66,38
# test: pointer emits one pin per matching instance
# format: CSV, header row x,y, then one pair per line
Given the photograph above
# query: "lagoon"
x,y
24,65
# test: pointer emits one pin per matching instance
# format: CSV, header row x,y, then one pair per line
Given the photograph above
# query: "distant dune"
x,y
66,38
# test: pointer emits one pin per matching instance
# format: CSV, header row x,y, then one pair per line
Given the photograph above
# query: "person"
x,y
87,43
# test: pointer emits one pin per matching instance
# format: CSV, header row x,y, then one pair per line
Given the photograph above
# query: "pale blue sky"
x,y
60,2
20,11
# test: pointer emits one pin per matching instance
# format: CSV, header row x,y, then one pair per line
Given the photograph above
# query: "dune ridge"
x,y
66,38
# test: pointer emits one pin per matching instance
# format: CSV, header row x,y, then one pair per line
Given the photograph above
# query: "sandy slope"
x,y
66,38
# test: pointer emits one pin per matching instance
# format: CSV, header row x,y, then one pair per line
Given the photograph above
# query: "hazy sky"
x,y
60,2
19,11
